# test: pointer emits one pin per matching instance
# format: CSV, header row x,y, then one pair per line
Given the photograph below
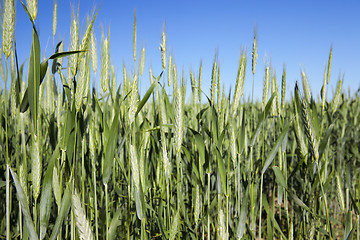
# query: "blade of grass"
x,y
25,207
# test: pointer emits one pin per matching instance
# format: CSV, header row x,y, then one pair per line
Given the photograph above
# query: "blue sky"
x,y
295,33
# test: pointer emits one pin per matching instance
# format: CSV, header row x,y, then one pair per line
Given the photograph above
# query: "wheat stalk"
x,y
36,167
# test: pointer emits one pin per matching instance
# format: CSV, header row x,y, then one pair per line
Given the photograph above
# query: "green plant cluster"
x,y
82,163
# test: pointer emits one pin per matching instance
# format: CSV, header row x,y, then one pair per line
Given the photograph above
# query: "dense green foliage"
x,y
111,164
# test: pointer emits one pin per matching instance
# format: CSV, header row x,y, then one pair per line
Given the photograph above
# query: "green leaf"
x,y
199,140
222,170
243,215
262,118
139,203
46,197
299,202
348,223
268,211
242,135
25,207
115,222
279,177
275,148
64,210
65,54
350,235
147,95
54,64
25,101
43,69
18,79
111,137
34,78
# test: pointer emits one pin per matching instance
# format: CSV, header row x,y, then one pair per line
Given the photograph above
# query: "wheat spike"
x,y
197,203
309,132
134,37
240,81
133,99
113,81
329,66
54,17
8,28
23,178
306,87
142,62
200,81
74,45
221,224
266,86
323,90
93,51
2,71
166,162
81,86
174,226
105,64
283,88
254,52
135,169
337,97
163,49
82,223
32,8
179,117
213,82
169,70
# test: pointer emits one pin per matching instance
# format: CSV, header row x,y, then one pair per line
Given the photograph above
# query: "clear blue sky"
x,y
296,33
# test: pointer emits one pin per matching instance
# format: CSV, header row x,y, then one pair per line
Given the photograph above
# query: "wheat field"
x,y
110,163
